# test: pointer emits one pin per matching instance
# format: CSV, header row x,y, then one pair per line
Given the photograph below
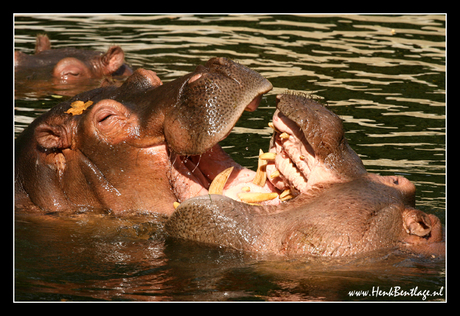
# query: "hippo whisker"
x,y
197,163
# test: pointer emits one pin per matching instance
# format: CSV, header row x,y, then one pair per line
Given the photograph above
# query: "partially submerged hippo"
x,y
144,146
333,206
54,70
120,149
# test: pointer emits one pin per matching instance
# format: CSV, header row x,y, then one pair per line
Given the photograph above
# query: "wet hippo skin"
x,y
335,208
66,71
143,146
116,149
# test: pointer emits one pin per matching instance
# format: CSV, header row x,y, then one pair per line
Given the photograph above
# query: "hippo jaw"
x,y
341,209
209,103
310,146
307,149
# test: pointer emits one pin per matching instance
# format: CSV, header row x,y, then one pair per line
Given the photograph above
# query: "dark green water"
x,y
383,75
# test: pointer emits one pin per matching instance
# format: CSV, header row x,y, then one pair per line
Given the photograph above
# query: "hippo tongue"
x,y
192,176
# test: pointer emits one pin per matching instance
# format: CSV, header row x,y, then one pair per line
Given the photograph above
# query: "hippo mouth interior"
x,y
283,172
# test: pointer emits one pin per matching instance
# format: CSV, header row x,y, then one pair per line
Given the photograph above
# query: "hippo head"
x,y
84,65
70,65
209,102
114,148
318,198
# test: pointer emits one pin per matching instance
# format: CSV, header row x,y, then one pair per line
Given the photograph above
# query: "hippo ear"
x,y
416,222
52,136
112,60
42,43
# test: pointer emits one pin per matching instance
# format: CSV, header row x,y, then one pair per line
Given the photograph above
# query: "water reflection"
x,y
383,75
99,258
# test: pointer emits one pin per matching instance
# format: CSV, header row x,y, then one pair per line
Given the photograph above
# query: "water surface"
x,y
383,75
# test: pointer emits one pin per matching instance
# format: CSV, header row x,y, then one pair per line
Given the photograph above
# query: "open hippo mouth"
x,y
307,141
330,205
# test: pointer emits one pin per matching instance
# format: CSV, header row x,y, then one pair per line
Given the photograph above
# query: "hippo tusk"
x,y
217,185
176,204
255,197
261,175
268,156
284,135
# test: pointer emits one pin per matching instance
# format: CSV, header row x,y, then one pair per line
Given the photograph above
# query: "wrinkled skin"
x,y
66,71
339,209
125,152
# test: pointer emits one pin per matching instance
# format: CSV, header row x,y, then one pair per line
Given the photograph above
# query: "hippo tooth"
x,y
176,204
255,197
261,175
275,174
268,156
270,124
284,135
302,157
286,195
217,185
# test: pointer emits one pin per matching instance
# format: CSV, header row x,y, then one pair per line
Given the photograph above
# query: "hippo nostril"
x,y
221,60
217,61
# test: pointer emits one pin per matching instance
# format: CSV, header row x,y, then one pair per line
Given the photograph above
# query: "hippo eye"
x,y
110,120
71,73
104,117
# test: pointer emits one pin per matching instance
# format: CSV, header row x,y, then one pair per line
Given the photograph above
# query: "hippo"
x,y
327,204
147,147
57,69
119,150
